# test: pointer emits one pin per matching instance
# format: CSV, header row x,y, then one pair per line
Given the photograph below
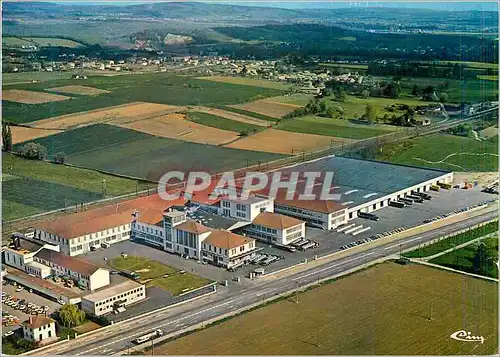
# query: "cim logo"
x,y
465,336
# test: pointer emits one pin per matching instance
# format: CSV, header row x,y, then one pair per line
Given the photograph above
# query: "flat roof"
x,y
216,221
360,181
113,290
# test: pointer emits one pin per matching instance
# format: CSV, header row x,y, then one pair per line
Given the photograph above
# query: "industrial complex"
x,y
226,231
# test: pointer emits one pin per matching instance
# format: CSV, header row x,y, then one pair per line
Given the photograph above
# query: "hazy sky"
x,y
297,4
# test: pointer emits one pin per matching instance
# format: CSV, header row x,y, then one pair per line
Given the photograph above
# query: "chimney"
x,y
30,320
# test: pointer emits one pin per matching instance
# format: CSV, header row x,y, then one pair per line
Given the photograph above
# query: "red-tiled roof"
x,y
77,265
226,240
193,227
37,321
276,220
95,220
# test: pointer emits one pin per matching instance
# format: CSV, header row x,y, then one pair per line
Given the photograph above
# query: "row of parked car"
x,y
465,209
265,259
23,305
371,238
304,244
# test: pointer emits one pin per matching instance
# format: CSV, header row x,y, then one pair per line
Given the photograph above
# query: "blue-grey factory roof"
x,y
361,181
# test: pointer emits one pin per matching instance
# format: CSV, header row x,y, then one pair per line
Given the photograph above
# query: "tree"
x,y
60,158
415,90
70,315
443,97
479,262
340,94
34,151
365,93
6,137
370,113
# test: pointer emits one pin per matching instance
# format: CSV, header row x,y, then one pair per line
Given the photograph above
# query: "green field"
x,y
468,64
466,91
383,310
155,272
246,112
334,127
488,78
296,98
40,41
354,107
462,259
434,151
451,242
25,77
55,186
346,65
42,195
127,152
156,88
246,81
222,123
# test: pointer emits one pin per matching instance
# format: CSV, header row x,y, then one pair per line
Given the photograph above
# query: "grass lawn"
x,y
181,283
451,242
463,258
434,150
145,267
247,113
334,127
222,123
176,283
383,310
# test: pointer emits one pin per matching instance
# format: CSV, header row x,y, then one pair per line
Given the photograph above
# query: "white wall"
x,y
99,279
41,333
105,306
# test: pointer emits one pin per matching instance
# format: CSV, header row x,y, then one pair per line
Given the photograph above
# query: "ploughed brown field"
x,y
286,142
268,107
116,114
176,126
21,133
231,116
384,310
30,97
76,89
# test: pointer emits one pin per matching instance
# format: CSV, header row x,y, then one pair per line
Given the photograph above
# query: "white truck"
x,y
149,336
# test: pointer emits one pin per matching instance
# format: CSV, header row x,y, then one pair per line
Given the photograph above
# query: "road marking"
x,y
406,241
332,266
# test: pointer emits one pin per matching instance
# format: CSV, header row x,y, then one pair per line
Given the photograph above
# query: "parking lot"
x,y
29,298
390,218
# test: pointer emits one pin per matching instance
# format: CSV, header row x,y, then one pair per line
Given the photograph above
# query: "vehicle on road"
x,y
19,288
149,336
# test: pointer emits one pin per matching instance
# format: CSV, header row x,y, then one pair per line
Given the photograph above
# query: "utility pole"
x,y
297,293
153,346
400,254
430,315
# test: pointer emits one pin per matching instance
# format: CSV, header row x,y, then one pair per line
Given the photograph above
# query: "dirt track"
x,y
76,89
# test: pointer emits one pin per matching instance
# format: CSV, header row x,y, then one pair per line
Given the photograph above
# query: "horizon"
x,y
302,5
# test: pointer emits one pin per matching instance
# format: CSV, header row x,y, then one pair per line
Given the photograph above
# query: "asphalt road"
x,y
118,338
